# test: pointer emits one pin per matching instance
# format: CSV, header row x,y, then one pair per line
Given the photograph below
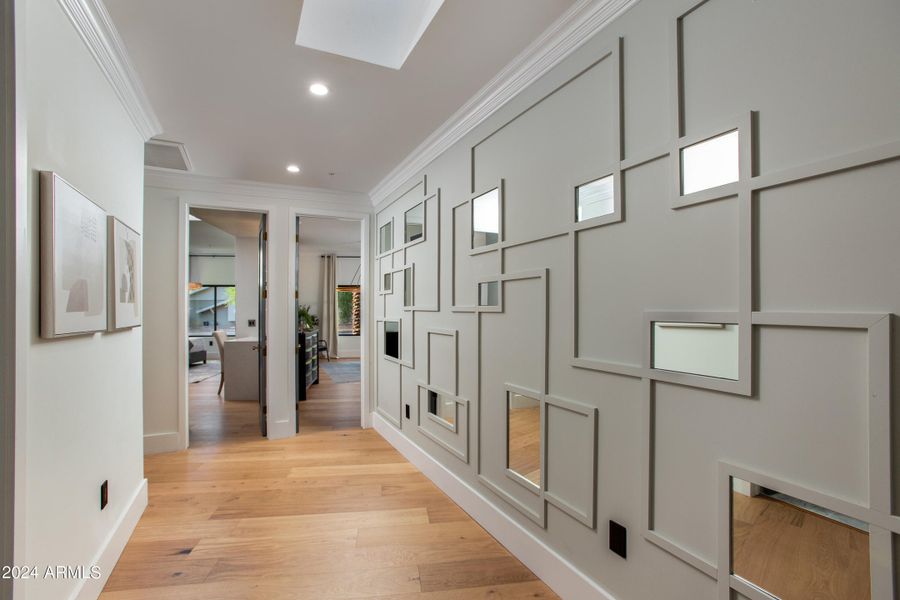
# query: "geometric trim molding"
x,y
93,24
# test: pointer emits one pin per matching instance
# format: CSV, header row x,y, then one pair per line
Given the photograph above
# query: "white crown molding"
x,y
93,23
566,35
355,202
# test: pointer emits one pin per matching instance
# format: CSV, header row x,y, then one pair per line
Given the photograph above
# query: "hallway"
x,y
327,514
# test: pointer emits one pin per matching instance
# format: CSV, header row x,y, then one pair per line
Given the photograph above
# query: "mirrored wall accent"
x,y
386,238
486,219
408,287
708,349
595,199
414,223
788,547
442,407
489,293
392,339
524,437
710,163
387,281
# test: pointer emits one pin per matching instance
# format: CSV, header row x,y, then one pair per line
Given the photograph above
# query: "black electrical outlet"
x,y
251,322
618,539
407,411
210,343
104,494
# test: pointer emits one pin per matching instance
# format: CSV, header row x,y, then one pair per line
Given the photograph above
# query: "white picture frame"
x,y
125,276
73,260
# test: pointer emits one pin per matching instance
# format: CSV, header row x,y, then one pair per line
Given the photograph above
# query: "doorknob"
x,y
255,347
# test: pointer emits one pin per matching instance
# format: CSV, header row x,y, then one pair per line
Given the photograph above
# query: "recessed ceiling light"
x,y
318,89
293,169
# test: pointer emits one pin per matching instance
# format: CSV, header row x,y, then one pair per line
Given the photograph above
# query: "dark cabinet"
x,y
307,361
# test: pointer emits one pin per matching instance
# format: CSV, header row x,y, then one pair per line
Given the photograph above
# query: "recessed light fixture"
x,y
318,89
293,169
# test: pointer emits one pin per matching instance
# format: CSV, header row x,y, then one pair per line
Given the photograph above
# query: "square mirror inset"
x,y
414,223
708,349
489,293
710,163
442,407
387,281
386,238
789,547
524,436
486,219
595,198
392,339
408,286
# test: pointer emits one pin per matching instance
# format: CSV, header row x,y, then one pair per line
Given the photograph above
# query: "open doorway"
x,y
329,324
226,306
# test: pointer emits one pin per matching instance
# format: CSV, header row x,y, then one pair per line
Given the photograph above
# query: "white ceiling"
x,y
338,236
234,222
381,32
226,78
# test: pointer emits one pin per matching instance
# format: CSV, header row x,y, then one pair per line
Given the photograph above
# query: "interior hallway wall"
x,y
84,393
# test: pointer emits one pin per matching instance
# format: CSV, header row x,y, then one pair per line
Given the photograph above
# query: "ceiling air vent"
x,y
163,154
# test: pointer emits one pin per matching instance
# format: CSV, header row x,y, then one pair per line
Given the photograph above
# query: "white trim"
x,y
155,443
554,570
113,545
93,23
349,204
561,39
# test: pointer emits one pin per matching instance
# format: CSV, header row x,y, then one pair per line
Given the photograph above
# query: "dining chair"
x,y
220,337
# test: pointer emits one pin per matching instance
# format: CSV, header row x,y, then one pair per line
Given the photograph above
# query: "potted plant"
x,y
307,319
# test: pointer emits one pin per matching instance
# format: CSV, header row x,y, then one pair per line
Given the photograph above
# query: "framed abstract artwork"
x,y
124,275
73,260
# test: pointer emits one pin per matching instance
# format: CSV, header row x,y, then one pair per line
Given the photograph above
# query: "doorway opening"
x,y
329,312
227,267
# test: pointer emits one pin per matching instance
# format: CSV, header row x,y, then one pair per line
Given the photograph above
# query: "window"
x,y
710,163
442,407
414,223
348,310
709,349
408,286
386,237
523,438
210,308
595,199
392,339
489,293
486,219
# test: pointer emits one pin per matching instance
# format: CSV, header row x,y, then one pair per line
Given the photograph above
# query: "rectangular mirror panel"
x,y
524,437
407,287
595,199
486,219
387,281
442,407
710,163
414,223
392,339
796,550
709,349
386,238
489,293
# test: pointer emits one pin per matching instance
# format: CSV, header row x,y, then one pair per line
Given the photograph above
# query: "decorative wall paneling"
x,y
728,217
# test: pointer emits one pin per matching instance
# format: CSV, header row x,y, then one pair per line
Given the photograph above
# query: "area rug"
x,y
202,372
341,372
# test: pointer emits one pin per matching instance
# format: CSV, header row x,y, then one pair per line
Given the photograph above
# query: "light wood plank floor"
x,y
333,513
796,554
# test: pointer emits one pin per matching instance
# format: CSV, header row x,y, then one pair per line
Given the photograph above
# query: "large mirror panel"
x,y
414,223
442,407
486,219
796,550
524,437
386,237
710,163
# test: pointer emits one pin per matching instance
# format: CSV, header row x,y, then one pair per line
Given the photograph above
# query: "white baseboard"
x,y
554,570
113,545
154,443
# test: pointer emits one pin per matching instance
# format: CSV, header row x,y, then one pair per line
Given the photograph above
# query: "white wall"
x,y
246,280
84,393
212,270
166,195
